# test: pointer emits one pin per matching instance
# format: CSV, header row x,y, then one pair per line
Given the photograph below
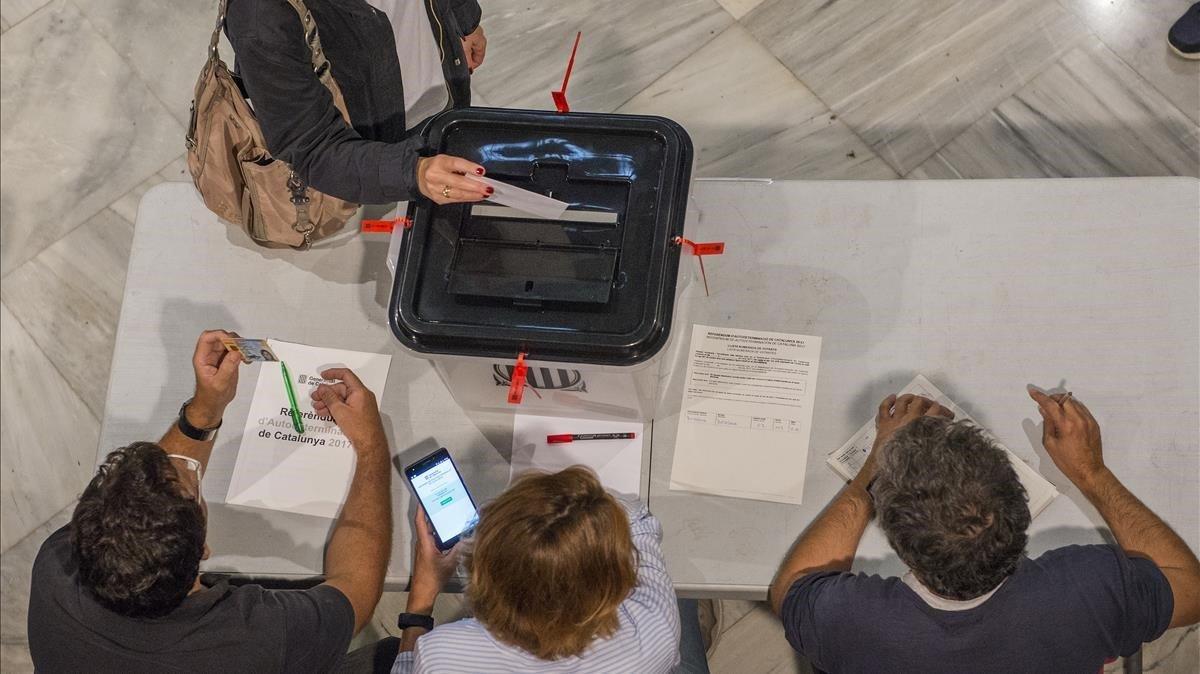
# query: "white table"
x,y
984,286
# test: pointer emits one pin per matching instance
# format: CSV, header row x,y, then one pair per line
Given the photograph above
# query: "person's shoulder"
x,y
267,21
458,639
1074,558
55,554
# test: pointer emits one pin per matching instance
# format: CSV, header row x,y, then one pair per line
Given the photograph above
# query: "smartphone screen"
x,y
442,493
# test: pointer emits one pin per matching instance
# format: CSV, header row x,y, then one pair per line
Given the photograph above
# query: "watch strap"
x,y
197,434
406,620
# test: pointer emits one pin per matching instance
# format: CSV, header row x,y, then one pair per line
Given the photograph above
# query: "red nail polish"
x,y
479,171
490,190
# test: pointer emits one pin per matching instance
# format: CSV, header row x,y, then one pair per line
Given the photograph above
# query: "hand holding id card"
x,y
251,350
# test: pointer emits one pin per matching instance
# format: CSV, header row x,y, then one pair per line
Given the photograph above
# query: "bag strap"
x,y
320,64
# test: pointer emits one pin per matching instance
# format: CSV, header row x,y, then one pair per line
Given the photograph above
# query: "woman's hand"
x,y
475,46
443,179
431,567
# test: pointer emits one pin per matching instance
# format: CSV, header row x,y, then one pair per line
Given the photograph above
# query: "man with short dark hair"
x,y
118,588
954,511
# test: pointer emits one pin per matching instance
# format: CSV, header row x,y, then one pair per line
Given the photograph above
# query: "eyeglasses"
x,y
190,473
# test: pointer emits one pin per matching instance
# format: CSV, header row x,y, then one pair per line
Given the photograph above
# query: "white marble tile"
x,y
14,11
739,8
756,644
79,129
625,47
748,116
47,435
1088,115
68,299
908,76
127,205
1136,30
3,23
176,171
164,42
1177,651
16,565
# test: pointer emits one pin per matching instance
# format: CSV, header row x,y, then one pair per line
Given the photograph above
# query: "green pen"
x,y
295,409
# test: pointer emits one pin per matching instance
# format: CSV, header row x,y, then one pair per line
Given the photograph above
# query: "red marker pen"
x,y
571,437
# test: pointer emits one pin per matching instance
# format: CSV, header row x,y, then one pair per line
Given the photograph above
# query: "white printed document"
x,y
280,469
746,415
617,462
849,459
523,200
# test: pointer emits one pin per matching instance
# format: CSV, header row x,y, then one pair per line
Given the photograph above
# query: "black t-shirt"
x,y
222,628
1067,611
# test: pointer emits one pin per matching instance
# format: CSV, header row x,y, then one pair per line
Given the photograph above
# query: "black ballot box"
x,y
584,300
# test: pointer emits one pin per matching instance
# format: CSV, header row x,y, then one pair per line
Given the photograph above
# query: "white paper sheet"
x,y
746,415
617,462
306,473
847,460
524,200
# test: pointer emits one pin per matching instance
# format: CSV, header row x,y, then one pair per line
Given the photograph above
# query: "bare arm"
x,y
357,556
1072,438
831,541
216,372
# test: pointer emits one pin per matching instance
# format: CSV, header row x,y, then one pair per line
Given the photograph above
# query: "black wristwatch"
x,y
406,620
197,434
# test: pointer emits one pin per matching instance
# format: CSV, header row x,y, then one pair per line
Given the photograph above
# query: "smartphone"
x,y
440,489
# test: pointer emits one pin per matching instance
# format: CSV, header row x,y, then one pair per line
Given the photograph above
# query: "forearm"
x,y
175,442
829,543
357,556
1140,532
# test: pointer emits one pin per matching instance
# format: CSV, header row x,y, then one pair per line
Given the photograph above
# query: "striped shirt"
x,y
647,639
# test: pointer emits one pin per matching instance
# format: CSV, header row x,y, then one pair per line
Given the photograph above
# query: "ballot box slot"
x,y
532,273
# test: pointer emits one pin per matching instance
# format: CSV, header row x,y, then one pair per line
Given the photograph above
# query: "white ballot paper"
x,y
746,414
523,200
309,472
617,462
850,458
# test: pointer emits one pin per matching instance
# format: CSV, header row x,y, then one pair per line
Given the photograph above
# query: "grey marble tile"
x,y
68,298
739,8
625,47
756,644
748,116
3,23
164,42
1177,651
79,129
14,659
1136,31
47,435
1088,115
16,565
14,11
908,76
127,205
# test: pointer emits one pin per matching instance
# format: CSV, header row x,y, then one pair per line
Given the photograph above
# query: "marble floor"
x,y
95,98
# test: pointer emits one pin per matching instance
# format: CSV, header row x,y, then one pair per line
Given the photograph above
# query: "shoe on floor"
x,y
1184,36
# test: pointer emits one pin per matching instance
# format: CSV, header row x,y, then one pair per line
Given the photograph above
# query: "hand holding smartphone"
x,y
439,488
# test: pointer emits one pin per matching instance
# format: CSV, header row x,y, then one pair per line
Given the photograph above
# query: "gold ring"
x,y
446,191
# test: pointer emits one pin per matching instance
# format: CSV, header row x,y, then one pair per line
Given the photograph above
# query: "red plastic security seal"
x,y
700,250
516,387
384,226
560,96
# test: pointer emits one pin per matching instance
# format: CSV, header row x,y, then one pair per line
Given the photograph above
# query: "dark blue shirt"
x,y
1066,611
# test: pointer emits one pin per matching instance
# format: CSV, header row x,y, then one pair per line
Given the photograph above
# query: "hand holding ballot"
x,y
353,406
216,371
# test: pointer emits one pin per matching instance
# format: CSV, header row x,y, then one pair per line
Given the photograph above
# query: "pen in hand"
x,y
297,422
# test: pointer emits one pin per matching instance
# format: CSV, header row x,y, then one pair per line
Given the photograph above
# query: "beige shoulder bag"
x,y
236,175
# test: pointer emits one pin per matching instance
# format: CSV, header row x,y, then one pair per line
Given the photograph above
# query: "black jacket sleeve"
x,y
467,14
299,120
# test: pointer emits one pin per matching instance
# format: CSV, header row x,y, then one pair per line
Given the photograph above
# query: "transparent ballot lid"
x,y
595,285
